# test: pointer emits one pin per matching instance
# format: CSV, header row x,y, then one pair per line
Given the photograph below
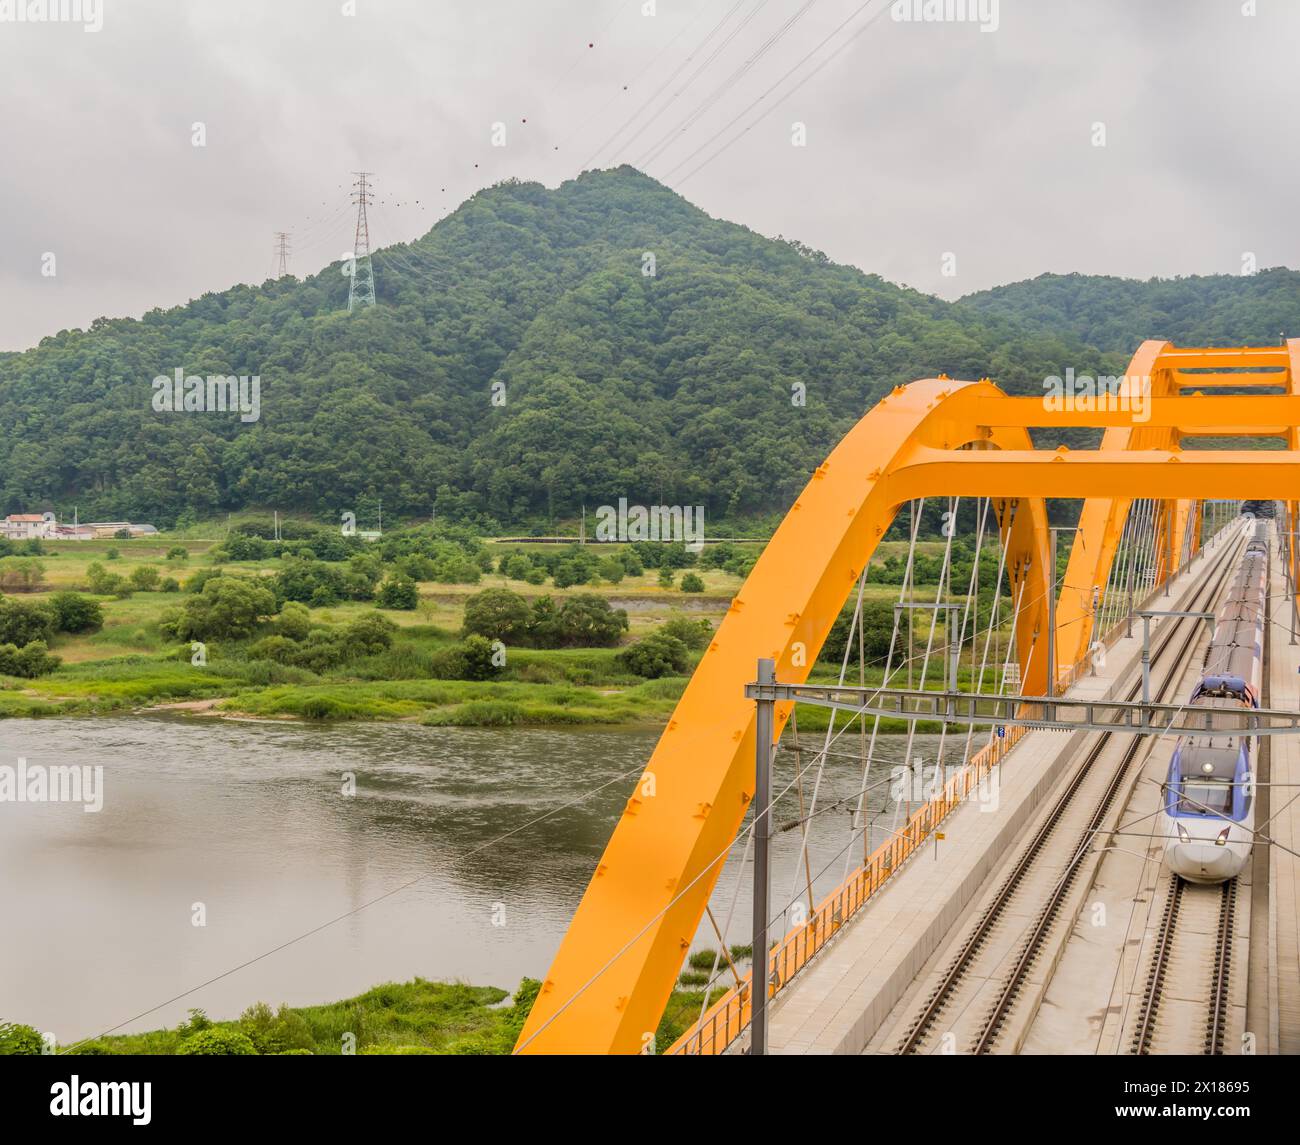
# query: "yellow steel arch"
x,y
1160,370
613,974
616,967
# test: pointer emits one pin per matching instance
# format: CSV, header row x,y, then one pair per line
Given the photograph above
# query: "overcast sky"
x,y
922,138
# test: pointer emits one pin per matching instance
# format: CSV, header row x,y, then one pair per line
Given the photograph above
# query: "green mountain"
x,y
1116,314
677,387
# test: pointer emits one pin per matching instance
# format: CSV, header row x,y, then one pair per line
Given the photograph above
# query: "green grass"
x,y
417,1017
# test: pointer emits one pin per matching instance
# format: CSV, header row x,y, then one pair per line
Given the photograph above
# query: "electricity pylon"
x,y
282,253
361,284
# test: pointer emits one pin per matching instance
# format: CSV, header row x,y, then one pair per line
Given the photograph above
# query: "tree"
x,y
22,622
144,578
294,621
479,660
584,621
76,613
19,1039
498,614
218,1042
228,608
398,592
694,633
657,655
29,661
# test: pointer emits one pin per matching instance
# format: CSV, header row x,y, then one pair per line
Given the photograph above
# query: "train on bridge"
x,y
1208,813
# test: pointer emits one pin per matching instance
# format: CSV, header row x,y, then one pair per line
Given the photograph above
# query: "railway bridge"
x,y
959,853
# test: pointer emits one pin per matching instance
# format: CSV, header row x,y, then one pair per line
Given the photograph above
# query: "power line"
x,y
663,86
723,88
754,103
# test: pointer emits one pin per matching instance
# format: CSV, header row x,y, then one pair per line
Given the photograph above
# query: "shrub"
x,y
228,608
398,592
657,655
694,634
23,573
18,1039
479,663
611,569
29,661
276,1032
294,621
169,584
498,614
178,553
22,622
200,578
691,582
106,583
217,1041
582,621
145,578
877,630
666,577
369,634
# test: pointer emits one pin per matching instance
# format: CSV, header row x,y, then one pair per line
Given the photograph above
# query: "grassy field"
x,y
417,1017
129,664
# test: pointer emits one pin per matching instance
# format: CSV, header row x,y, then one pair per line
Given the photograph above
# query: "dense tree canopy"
x,y
520,365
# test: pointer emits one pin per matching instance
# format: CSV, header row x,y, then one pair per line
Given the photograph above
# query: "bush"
x,y
218,1042
611,569
178,553
877,629
273,1032
228,608
666,577
691,582
22,622
29,661
498,614
16,1039
369,634
294,621
398,591
145,578
659,654
694,634
169,584
478,654
105,583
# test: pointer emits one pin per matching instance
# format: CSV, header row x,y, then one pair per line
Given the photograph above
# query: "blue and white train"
x,y
1208,814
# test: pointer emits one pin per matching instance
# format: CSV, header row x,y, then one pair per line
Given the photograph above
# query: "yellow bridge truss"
x,y
617,965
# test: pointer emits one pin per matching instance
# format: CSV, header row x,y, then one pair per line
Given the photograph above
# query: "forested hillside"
x,y
1118,313
679,387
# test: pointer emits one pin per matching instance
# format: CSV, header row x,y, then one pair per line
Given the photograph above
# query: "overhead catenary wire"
x,y
773,106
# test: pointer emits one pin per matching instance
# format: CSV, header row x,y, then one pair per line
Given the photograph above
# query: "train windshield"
x,y
1206,797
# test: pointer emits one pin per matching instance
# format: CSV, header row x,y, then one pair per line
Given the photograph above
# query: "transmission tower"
x,y
361,285
282,253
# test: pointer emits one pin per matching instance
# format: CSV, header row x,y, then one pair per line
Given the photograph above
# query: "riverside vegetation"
x,y
429,623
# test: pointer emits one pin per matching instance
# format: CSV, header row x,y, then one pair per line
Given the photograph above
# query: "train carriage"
x,y
1207,817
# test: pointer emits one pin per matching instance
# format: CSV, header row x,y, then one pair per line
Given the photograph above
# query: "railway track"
x,y
1192,947
1015,924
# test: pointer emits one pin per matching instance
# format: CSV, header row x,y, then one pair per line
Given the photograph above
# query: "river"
x,y
434,867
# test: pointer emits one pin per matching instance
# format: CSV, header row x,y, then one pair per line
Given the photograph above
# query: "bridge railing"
x,y
724,1022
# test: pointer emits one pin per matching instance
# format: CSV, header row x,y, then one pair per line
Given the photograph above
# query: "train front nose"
x,y
1200,862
